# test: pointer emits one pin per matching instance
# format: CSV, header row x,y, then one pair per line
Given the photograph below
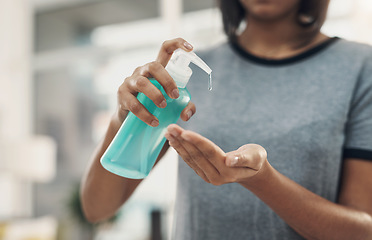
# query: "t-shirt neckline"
x,y
290,60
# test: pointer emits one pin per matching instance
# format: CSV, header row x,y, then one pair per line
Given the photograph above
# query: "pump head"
x,y
178,66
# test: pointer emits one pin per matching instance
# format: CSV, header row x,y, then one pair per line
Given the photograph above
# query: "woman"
x,y
303,98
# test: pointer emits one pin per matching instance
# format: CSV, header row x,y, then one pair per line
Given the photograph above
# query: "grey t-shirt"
x,y
307,112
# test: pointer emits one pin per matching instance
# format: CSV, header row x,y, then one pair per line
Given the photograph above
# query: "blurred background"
x,y
61,62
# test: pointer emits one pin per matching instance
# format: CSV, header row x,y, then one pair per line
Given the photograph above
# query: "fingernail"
x,y
188,45
175,93
173,133
234,161
155,123
163,104
169,137
189,114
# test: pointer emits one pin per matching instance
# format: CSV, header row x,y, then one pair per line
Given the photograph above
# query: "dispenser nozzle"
x,y
183,59
178,67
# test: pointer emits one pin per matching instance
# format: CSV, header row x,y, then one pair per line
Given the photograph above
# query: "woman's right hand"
x,y
139,82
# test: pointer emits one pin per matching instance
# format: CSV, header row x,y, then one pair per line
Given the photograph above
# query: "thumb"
x,y
237,159
249,156
188,111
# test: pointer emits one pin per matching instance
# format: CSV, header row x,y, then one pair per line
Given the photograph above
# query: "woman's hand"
x,y
139,82
211,163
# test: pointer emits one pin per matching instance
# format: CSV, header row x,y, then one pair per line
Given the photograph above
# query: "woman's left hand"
x,y
211,163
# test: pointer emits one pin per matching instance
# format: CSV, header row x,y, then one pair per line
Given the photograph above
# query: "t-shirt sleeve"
x,y
358,131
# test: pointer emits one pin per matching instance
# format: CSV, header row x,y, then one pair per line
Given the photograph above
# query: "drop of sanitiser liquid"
x,y
210,82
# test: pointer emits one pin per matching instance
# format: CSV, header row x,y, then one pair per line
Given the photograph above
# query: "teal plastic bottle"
x,y
136,146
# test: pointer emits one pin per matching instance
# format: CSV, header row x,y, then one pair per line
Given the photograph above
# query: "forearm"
x,y
310,215
102,192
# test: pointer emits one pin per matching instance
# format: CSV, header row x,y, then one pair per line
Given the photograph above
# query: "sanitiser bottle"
x,y
136,146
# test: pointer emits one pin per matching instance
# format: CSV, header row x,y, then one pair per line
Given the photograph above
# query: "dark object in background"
x,y
156,230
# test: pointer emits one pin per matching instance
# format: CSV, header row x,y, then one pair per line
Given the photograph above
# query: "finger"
x,y
143,84
194,155
168,48
239,159
208,148
197,156
131,103
188,111
249,156
173,142
157,71
174,130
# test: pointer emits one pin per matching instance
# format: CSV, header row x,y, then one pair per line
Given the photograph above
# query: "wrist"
x,y
261,178
115,122
118,117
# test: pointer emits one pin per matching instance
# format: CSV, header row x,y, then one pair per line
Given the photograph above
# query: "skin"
x,y
273,34
98,201
310,215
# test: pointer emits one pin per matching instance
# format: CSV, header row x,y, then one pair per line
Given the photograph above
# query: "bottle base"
x,y
133,174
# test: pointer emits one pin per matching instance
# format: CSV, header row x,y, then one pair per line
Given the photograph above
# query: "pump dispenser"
x,y
136,146
178,66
